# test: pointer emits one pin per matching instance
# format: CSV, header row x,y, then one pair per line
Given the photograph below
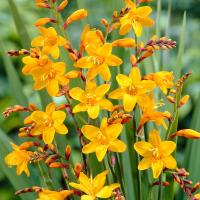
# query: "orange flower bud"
x,y
67,152
127,42
27,145
62,5
184,100
32,107
43,21
73,57
22,134
187,133
133,59
58,165
78,168
73,74
172,91
77,15
171,99
104,22
43,5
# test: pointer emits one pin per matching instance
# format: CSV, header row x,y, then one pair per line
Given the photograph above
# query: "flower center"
x,y
51,74
156,153
91,98
97,60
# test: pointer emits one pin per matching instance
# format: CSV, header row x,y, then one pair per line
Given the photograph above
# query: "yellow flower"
x,y
136,18
91,100
88,37
156,154
196,196
36,59
103,139
131,88
94,188
50,76
50,41
19,157
146,103
54,195
98,60
163,79
187,133
47,123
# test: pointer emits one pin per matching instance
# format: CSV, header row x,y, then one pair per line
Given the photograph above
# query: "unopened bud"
x,y
184,100
104,22
43,21
62,5
127,42
77,15
171,99
67,152
78,169
58,165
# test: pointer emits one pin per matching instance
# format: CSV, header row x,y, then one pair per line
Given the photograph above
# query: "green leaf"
x,y
18,182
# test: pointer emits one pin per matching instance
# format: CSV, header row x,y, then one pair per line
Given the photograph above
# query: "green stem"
x,y
160,187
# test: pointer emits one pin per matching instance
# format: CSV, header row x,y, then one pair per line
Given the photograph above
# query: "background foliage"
x,y
169,25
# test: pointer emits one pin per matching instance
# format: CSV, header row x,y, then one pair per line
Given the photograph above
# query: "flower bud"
x,y
78,168
43,21
104,22
77,15
67,152
171,99
184,100
127,42
62,5
58,165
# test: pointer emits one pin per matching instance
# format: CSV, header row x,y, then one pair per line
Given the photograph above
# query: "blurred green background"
x,y
170,26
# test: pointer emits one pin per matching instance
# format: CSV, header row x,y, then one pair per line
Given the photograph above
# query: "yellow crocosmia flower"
x,y
88,37
94,188
126,42
91,100
187,133
156,154
19,157
136,18
47,123
37,60
163,79
146,103
196,196
54,195
131,88
103,139
50,77
98,60
49,40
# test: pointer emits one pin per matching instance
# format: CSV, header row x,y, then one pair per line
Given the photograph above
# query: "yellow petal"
x,y
169,162
105,50
90,132
79,187
102,90
144,11
154,138
101,151
81,107
106,105
129,102
105,192
48,135
145,163
125,28
84,62
135,75
87,197
157,167
61,129
93,111
53,87
117,146
104,72
167,147
91,73
187,133
50,108
130,4
137,28
59,67
90,148
123,80
38,41
99,180
114,130
146,22
116,94
55,52
113,60
142,147
58,117
76,93
84,180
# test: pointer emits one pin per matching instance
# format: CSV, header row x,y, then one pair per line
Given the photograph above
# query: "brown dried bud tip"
x,y
67,152
32,189
18,52
58,165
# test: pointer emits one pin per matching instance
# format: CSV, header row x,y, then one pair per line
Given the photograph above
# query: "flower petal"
x,y
48,135
99,180
90,132
135,75
76,93
114,130
129,102
101,151
157,167
169,162
61,129
53,87
90,148
117,146
145,163
123,80
81,107
105,192
167,147
104,72
116,94
102,89
142,147
154,138
106,105
113,60
93,111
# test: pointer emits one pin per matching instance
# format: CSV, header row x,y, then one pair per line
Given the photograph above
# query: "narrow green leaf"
x,y
181,48
18,182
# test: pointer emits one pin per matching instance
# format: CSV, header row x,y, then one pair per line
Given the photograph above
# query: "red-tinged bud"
x,y
183,100
73,57
62,5
133,60
165,184
27,145
43,21
104,22
58,165
78,169
171,99
113,160
51,159
32,107
172,91
67,152
43,5
77,193
77,15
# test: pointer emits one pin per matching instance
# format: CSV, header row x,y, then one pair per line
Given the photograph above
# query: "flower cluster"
x,y
107,107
